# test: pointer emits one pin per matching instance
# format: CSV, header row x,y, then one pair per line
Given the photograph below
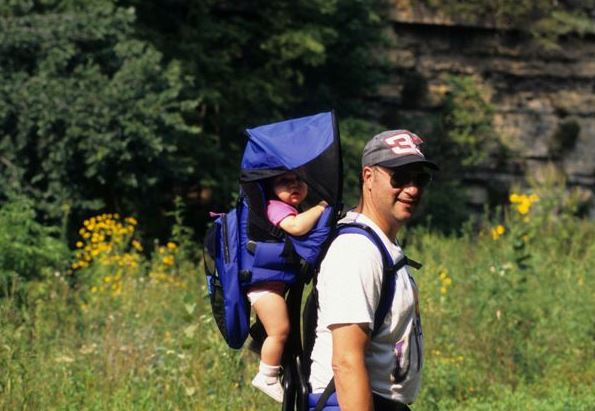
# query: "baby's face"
x,y
290,189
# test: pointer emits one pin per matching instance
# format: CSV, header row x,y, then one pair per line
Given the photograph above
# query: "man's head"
x,y
394,175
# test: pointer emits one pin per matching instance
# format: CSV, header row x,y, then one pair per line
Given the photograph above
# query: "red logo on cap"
x,y
404,143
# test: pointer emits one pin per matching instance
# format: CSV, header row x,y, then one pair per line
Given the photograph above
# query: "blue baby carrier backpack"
x,y
243,248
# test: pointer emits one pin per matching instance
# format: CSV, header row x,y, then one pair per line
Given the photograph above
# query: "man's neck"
x,y
389,228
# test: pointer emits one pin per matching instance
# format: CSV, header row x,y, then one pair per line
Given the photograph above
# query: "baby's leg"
x,y
271,309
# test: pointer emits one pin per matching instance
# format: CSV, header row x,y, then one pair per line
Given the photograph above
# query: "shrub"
x,y
30,250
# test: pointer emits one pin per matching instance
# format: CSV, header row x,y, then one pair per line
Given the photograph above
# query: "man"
x,y
382,372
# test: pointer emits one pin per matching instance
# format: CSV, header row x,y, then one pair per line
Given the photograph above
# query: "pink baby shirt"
x,y
278,210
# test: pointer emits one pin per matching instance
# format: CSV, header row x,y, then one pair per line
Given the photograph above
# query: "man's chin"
x,y
405,212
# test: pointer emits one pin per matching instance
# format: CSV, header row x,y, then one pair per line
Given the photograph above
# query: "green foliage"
x,y
467,122
444,205
460,137
354,136
546,20
497,337
181,234
257,61
30,251
125,104
90,117
493,326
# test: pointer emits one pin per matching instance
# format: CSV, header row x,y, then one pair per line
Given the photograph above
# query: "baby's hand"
x,y
323,204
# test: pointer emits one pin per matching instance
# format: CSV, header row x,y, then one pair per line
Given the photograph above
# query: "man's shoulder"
x,y
356,227
350,217
353,218
352,246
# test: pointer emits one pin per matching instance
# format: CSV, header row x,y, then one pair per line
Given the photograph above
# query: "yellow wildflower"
x,y
523,208
171,246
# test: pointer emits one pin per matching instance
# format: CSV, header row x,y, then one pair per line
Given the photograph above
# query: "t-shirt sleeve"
x,y
278,210
350,281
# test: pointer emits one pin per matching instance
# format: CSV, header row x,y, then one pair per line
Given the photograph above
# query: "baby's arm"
x,y
302,223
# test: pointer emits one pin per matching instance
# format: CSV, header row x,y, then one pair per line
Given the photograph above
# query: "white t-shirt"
x,y
349,285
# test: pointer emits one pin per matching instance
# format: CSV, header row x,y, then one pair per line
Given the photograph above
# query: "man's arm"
x,y
349,366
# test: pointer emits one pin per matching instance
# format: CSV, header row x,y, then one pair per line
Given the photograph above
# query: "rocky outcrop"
x,y
544,98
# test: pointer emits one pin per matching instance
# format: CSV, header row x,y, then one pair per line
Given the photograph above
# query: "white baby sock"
x,y
267,380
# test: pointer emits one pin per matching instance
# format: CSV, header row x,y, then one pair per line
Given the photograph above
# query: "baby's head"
x,y
289,188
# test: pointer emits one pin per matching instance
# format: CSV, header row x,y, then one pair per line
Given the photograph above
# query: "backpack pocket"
x,y
229,304
270,263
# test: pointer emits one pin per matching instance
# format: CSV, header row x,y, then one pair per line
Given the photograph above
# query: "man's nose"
x,y
412,189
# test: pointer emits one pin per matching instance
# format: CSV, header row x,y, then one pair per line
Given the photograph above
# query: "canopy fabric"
x,y
288,144
308,145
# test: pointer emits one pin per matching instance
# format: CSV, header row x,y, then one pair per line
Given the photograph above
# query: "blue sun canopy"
x,y
310,146
288,144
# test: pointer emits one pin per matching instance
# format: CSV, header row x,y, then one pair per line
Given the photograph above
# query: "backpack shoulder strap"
x,y
389,269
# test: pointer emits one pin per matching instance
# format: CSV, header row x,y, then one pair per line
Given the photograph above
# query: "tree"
x,y
259,61
101,110
91,117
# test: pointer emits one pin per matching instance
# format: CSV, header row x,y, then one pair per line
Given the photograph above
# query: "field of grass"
x,y
507,309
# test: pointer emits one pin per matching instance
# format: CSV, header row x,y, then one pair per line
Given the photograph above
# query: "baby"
x,y
287,192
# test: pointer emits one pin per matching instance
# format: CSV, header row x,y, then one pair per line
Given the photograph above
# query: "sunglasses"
x,y
402,178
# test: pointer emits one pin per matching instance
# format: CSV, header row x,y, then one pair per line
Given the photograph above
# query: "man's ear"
x,y
367,174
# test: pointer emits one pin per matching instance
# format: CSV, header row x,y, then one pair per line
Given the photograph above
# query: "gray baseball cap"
x,y
395,148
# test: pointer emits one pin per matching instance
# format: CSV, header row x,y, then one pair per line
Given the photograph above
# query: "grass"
x,y
508,324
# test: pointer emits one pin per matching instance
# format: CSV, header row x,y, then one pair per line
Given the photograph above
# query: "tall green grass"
x,y
508,322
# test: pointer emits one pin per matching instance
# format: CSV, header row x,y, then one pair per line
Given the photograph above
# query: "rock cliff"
x,y
544,98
